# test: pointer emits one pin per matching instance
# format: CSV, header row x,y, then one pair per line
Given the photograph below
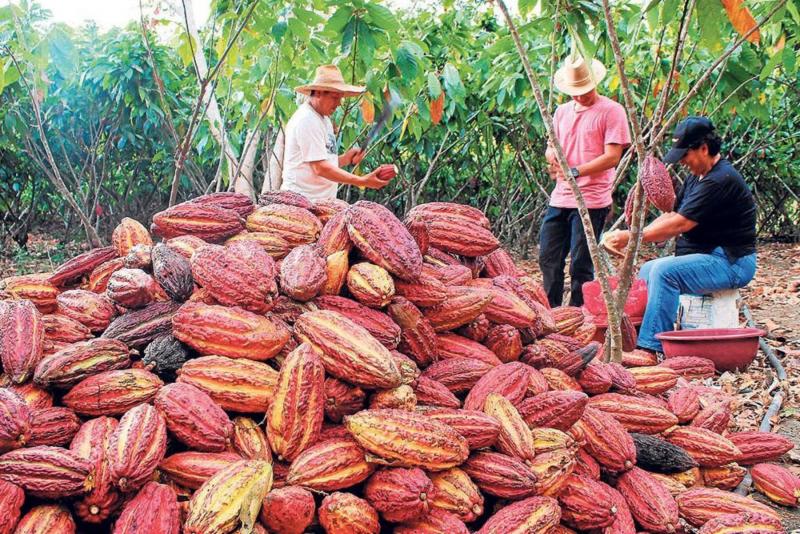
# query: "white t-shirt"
x,y
309,137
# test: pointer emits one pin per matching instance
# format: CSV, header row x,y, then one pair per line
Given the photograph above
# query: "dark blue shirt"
x,y
723,207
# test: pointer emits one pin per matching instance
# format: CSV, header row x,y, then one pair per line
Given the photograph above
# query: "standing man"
x,y
714,221
312,165
593,131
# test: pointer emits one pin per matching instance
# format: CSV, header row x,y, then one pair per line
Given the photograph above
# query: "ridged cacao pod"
x,y
164,356
509,380
136,447
477,329
595,378
370,284
558,380
80,360
455,492
426,291
12,497
194,418
274,245
499,262
635,414
532,515
457,374
229,499
21,339
690,367
173,272
34,287
238,202
432,393
342,399
90,309
128,233
302,273
36,398
377,323
607,440
209,223
62,328
325,208
700,505
463,304
407,439
348,351
154,510
505,341
455,346
139,327
515,438
726,477
15,421
417,337
706,447
297,226
185,245
46,519
684,403
758,447
456,228
383,240
501,475
403,397
82,264
233,332
91,443
654,380
743,523
434,522
249,441
334,236
659,456
53,426
112,392
330,465
657,184
191,469
236,279
288,510
285,197
649,501
777,483
236,385
479,429
715,417
100,275
344,513
294,418
587,503
399,494
47,472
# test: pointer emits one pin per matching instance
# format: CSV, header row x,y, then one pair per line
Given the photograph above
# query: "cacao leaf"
x,y
741,19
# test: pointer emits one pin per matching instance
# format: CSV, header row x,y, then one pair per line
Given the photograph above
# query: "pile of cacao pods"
x,y
294,367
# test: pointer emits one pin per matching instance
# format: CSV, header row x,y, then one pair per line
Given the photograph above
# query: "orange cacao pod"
x,y
726,477
288,510
112,392
36,398
90,309
509,380
407,439
348,351
47,472
455,228
82,264
337,266
587,503
383,240
91,443
154,510
690,367
80,360
426,291
649,501
402,397
128,233
377,323
480,430
462,305
344,513
505,341
417,337
639,358
777,483
136,447
655,379
330,465
399,494
334,237
370,284
233,332
297,226
515,438
191,469
325,208
535,514
46,519
21,339
274,245
249,441
553,409
194,418
434,522
708,448
235,384
743,523
455,492
295,414
209,223
34,287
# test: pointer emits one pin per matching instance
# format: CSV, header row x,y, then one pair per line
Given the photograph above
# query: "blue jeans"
x,y
562,233
695,274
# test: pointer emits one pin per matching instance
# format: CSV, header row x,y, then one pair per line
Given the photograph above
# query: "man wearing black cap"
x,y
714,221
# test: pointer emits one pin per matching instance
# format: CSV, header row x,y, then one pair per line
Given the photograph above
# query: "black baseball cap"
x,y
688,134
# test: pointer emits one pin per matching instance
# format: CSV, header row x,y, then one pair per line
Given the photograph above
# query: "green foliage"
x,y
110,126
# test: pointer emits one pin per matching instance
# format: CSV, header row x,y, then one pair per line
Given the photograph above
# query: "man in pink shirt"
x,y
593,131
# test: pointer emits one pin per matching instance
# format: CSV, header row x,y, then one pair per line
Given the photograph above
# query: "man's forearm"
x,y
598,164
666,226
335,174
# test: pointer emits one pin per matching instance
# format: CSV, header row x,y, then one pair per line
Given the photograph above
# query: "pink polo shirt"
x,y
583,135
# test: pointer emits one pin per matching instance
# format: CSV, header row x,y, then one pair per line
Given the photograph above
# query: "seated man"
x,y
715,222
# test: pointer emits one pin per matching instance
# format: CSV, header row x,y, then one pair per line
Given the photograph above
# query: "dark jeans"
x,y
562,233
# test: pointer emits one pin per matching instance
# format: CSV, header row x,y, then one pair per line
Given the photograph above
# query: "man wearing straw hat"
x,y
312,165
593,131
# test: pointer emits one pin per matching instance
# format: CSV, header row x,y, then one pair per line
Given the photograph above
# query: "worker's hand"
x,y
373,180
550,154
353,156
616,240
554,170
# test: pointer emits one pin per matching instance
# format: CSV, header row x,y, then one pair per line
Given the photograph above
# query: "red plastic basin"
x,y
729,348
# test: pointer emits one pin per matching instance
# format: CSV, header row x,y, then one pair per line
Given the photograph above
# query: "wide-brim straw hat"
x,y
575,78
329,78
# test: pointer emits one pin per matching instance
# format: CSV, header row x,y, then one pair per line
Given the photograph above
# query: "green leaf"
x,y
279,30
298,29
309,17
771,65
789,59
339,19
793,10
407,58
452,82
434,87
382,17
710,34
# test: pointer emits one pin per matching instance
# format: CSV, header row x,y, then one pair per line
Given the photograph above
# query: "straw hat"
x,y
329,78
575,78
